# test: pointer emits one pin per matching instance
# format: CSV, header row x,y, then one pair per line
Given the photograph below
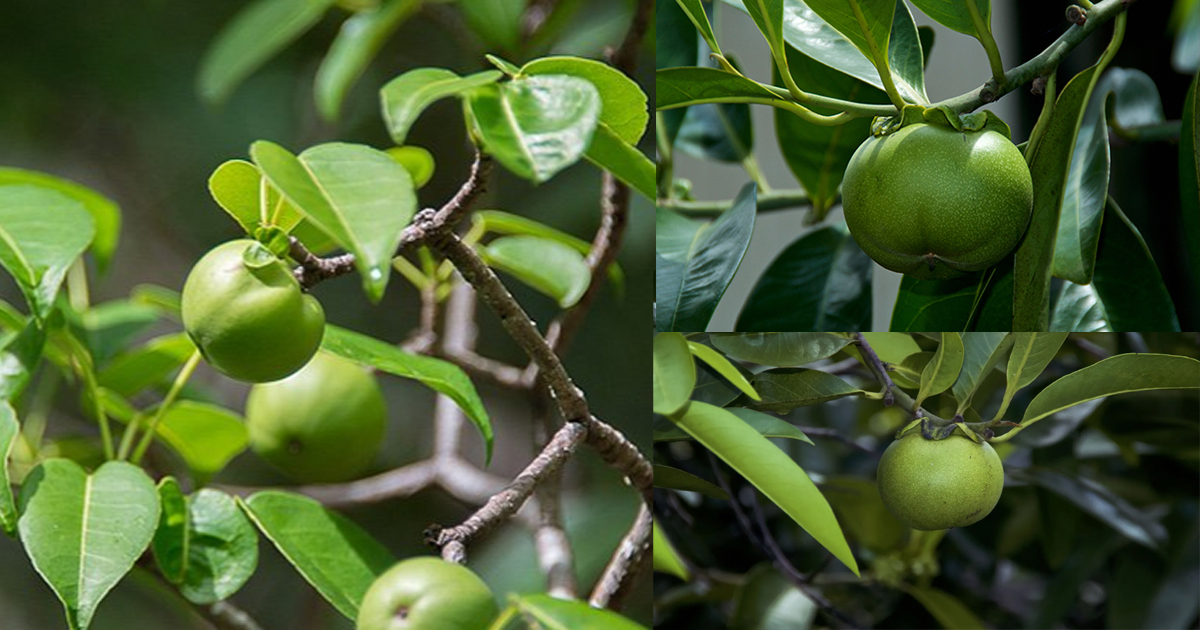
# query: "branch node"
x,y
1039,86
1077,14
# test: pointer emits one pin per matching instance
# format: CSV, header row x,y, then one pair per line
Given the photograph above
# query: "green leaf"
x,y
953,14
1100,502
498,22
764,424
681,87
1079,309
674,373
818,155
84,532
435,374
782,349
257,33
666,558
333,554
766,600
675,479
359,196
554,269
501,222
981,352
406,96
771,471
676,44
147,365
1127,282
206,436
234,185
943,369
784,389
9,430
697,260
1031,353
357,42
536,126
768,16
20,355
110,326
1115,375
946,608
205,542
42,232
699,17
717,131
623,110
935,304
567,614
623,160
1049,164
822,281
722,366
105,214
418,161
890,347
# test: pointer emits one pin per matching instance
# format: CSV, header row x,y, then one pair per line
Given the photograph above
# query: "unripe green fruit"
x,y
939,484
251,323
427,594
325,423
935,203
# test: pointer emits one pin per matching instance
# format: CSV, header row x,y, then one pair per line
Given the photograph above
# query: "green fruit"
x,y
427,594
935,203
939,484
252,323
322,424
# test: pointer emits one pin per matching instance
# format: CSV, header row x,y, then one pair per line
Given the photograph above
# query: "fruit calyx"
x,y
942,116
934,431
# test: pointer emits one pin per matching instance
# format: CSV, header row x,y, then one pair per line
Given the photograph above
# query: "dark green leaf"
x,y
946,608
9,431
1127,280
784,389
675,479
666,558
1100,502
206,541
956,16
768,601
782,349
1189,170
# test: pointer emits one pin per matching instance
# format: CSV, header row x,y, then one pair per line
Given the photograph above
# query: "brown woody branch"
x,y
626,564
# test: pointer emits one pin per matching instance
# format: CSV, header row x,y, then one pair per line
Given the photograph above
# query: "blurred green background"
x,y
103,93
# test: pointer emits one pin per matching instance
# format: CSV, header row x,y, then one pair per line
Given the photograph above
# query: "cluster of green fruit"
x,y
316,416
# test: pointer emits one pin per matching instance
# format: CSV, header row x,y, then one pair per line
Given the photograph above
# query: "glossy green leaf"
x,y
953,14
418,161
908,373
1115,375
1078,309
20,355
818,155
784,389
624,161
697,261
946,608
694,9
1100,502
766,600
666,558
1127,280
358,195
106,216
674,373
552,268
722,366
871,36
435,374
567,614
935,304
943,369
624,103
681,87
806,28
765,425
84,532
333,554
9,430
146,365
206,436
771,471
768,16
406,96
714,389
164,299
676,44
500,222
258,32
675,479
357,42
42,232
719,130
782,349
110,326
1189,171
981,352
234,185
1031,353
821,282
204,543
1049,164
536,126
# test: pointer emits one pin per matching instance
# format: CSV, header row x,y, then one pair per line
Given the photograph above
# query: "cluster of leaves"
x,y
1081,456
84,531
829,64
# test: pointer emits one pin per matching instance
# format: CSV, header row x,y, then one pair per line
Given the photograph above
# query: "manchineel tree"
x,y
992,232
896,480
136,497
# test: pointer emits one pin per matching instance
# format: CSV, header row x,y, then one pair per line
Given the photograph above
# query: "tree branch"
x,y
626,564
767,202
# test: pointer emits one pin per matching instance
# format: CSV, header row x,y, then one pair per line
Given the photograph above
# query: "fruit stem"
x,y
181,379
984,30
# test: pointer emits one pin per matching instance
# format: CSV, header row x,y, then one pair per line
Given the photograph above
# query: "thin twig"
x,y
876,366
623,569
225,616
554,552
